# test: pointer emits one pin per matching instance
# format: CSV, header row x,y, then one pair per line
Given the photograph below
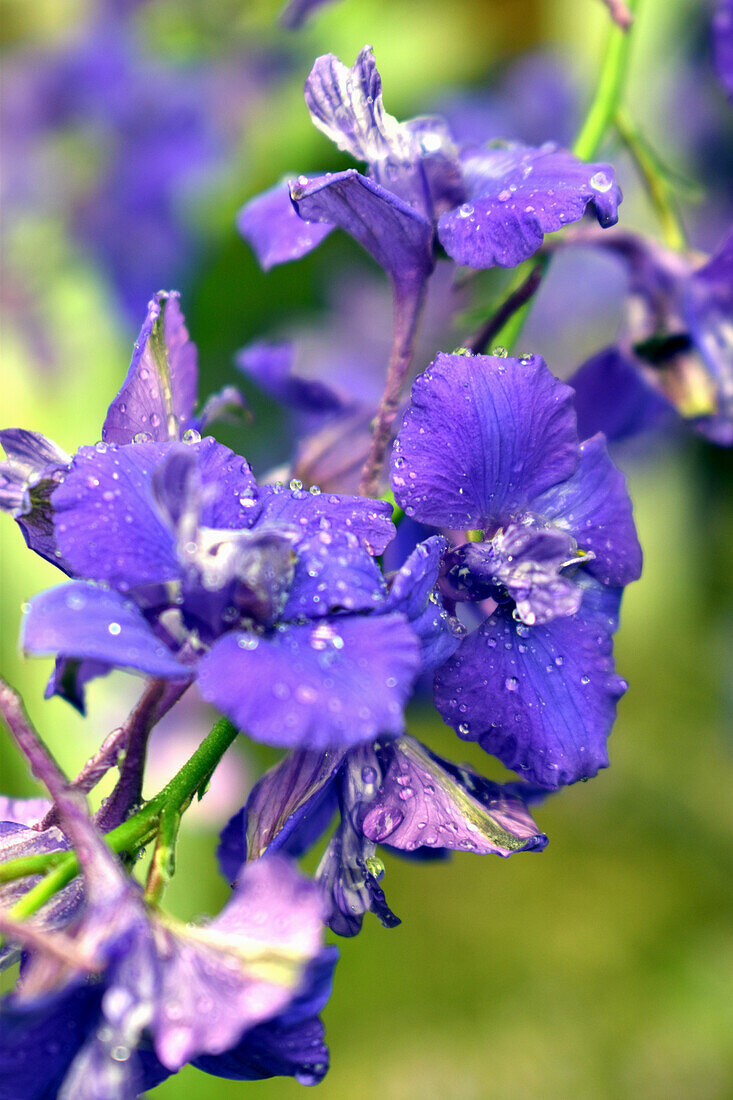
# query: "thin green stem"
x,y
656,185
598,119
599,115
139,829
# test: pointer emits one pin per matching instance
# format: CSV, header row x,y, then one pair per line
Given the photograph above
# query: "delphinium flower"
x,y
142,994
397,794
489,447
392,791
184,568
485,206
676,353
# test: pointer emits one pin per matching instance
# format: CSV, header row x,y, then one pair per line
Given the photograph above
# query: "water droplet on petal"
x,y
600,181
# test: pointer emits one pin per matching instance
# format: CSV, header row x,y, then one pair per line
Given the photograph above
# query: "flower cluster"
x,y
271,599
483,555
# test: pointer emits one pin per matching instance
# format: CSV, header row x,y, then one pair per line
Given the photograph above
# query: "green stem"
x,y
598,119
656,185
138,830
162,865
603,107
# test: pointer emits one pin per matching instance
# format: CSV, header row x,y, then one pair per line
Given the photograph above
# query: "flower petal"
x,y
481,438
349,873
424,801
295,13
593,504
277,234
108,524
707,303
333,572
333,684
19,838
271,367
158,396
516,195
394,234
346,105
612,396
69,679
117,508
369,520
30,456
272,928
279,806
34,468
413,593
542,699
82,621
40,1037
290,1045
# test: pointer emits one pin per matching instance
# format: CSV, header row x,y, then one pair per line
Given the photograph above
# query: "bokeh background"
x,y
132,133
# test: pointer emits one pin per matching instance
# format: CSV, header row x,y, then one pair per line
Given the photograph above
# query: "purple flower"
x,y
268,596
489,445
488,206
128,994
237,995
677,352
393,793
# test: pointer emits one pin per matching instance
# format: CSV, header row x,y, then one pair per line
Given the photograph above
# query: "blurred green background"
x,y
604,967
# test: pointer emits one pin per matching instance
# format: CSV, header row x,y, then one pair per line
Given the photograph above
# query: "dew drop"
x,y
599,181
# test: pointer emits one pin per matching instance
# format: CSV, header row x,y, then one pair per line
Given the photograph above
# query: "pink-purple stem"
x,y
408,308
131,738
71,805
61,946
157,700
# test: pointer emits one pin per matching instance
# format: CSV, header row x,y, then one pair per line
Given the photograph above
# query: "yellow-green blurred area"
x,y
602,968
